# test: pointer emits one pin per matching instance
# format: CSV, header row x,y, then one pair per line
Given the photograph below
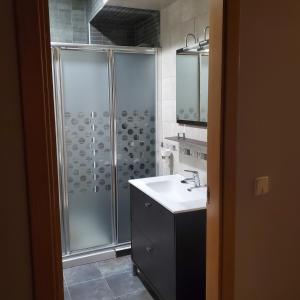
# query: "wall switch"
x,y
262,186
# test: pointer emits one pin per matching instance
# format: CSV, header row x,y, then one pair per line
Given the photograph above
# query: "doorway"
x,y
34,53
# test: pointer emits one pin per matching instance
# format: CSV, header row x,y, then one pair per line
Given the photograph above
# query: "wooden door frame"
x,y
214,228
33,37
223,95
35,75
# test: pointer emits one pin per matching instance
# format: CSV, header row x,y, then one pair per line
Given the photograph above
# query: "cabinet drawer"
x,y
157,262
154,239
143,212
142,252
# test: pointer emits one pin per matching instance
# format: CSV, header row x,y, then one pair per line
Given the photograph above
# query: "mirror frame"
x,y
188,122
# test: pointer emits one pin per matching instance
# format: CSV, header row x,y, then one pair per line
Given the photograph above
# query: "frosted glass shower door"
x,y
135,96
87,141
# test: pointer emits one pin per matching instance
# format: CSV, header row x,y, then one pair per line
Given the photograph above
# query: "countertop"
x,y
169,192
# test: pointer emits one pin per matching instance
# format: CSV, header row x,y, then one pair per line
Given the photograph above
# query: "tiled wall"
x,y
69,21
93,7
123,26
110,34
178,19
147,32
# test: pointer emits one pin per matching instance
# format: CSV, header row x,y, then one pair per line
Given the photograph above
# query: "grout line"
x,y
119,273
64,280
134,292
68,292
82,282
110,288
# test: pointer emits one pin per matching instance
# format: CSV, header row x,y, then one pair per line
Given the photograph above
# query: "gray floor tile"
x,y
124,284
115,266
91,290
81,274
66,294
141,295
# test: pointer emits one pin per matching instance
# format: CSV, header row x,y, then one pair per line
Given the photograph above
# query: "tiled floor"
x,y
106,280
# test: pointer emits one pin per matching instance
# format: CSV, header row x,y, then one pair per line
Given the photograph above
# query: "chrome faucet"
x,y
195,179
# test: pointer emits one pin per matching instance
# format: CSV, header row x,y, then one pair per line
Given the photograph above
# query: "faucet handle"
x,y
191,171
196,178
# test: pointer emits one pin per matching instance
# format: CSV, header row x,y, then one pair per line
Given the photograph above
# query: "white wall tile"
x,y
174,13
169,89
189,9
169,111
168,62
201,22
178,19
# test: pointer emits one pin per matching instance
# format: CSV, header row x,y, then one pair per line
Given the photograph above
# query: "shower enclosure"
x,y
105,102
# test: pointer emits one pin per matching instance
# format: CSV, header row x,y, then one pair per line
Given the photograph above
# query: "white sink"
x,y
171,193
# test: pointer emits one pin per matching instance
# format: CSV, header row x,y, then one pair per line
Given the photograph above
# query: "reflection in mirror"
x,y
204,59
192,87
187,87
192,65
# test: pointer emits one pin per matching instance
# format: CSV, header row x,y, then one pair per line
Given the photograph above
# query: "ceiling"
x,y
143,4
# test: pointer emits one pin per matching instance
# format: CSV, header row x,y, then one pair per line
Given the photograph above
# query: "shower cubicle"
x,y
105,102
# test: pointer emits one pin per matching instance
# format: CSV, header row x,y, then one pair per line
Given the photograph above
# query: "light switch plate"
x,y
262,186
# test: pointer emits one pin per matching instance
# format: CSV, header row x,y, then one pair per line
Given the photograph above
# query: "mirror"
x,y
192,87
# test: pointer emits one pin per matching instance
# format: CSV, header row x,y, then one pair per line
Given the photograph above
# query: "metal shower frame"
x,y
72,258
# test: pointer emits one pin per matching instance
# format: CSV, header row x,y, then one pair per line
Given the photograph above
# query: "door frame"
x,y
214,151
223,96
35,76
33,38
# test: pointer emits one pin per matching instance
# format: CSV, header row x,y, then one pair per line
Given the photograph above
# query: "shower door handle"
x,y
148,205
149,250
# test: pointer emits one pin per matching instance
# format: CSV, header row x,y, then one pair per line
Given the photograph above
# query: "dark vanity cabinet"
x,y
168,250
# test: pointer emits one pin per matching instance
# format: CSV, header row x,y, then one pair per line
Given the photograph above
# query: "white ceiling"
x,y
144,4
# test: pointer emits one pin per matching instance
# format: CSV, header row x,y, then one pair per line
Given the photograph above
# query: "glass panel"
x,y
87,147
135,87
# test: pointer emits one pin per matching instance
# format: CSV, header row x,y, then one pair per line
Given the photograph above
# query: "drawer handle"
x,y
147,204
149,249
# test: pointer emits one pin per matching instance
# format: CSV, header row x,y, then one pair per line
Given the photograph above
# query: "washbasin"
x,y
171,193
174,190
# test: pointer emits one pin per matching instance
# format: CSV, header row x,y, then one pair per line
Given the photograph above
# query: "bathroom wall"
x,y
178,19
69,21
16,279
93,7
